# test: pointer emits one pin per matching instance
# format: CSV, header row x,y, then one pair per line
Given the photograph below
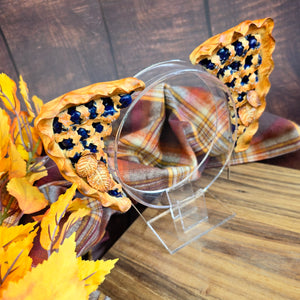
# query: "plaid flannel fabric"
x,y
171,129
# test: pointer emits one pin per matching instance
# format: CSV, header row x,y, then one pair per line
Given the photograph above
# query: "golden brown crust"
x,y
259,82
88,93
77,98
213,44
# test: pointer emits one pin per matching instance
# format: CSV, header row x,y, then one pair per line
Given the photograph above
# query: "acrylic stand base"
x,y
182,224
182,209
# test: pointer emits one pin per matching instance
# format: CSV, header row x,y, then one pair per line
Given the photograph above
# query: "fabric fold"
x,y
172,129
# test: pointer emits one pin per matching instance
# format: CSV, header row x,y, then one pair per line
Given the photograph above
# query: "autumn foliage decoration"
x,y
59,273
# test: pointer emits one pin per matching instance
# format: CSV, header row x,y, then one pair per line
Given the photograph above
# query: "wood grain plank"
x,y
255,255
146,32
283,98
57,45
6,65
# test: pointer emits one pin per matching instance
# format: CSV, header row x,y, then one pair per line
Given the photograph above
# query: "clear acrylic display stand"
x,y
185,211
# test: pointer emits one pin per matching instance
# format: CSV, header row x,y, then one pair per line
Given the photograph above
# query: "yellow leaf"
x,y
15,260
4,132
4,166
17,163
22,137
94,272
50,221
38,103
8,95
78,203
69,227
14,233
29,198
24,92
36,139
33,177
20,148
55,278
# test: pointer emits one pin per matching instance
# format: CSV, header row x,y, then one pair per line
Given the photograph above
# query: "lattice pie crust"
x,y
241,57
72,128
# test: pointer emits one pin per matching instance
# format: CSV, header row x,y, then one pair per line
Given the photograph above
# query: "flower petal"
x,y
29,198
4,132
8,95
17,163
4,166
38,103
33,177
24,92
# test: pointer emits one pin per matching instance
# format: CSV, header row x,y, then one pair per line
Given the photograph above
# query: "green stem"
x,y
3,183
5,213
31,156
36,146
28,133
28,163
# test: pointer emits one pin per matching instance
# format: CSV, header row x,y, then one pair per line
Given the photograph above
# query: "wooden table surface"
x,y
255,255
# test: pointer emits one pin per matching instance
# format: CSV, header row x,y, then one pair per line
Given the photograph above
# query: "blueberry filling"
x,y
245,79
84,133
125,101
232,128
235,66
253,43
75,158
92,147
109,107
259,61
223,54
93,112
248,62
92,109
66,144
114,193
256,75
241,96
103,159
207,64
84,143
239,48
57,126
227,96
90,104
98,127
75,115
231,84
221,73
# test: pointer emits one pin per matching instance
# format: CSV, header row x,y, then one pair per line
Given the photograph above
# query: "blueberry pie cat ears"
x,y
241,57
72,128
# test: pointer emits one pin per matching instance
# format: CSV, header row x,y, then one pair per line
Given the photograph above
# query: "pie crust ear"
x,y
72,127
241,57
